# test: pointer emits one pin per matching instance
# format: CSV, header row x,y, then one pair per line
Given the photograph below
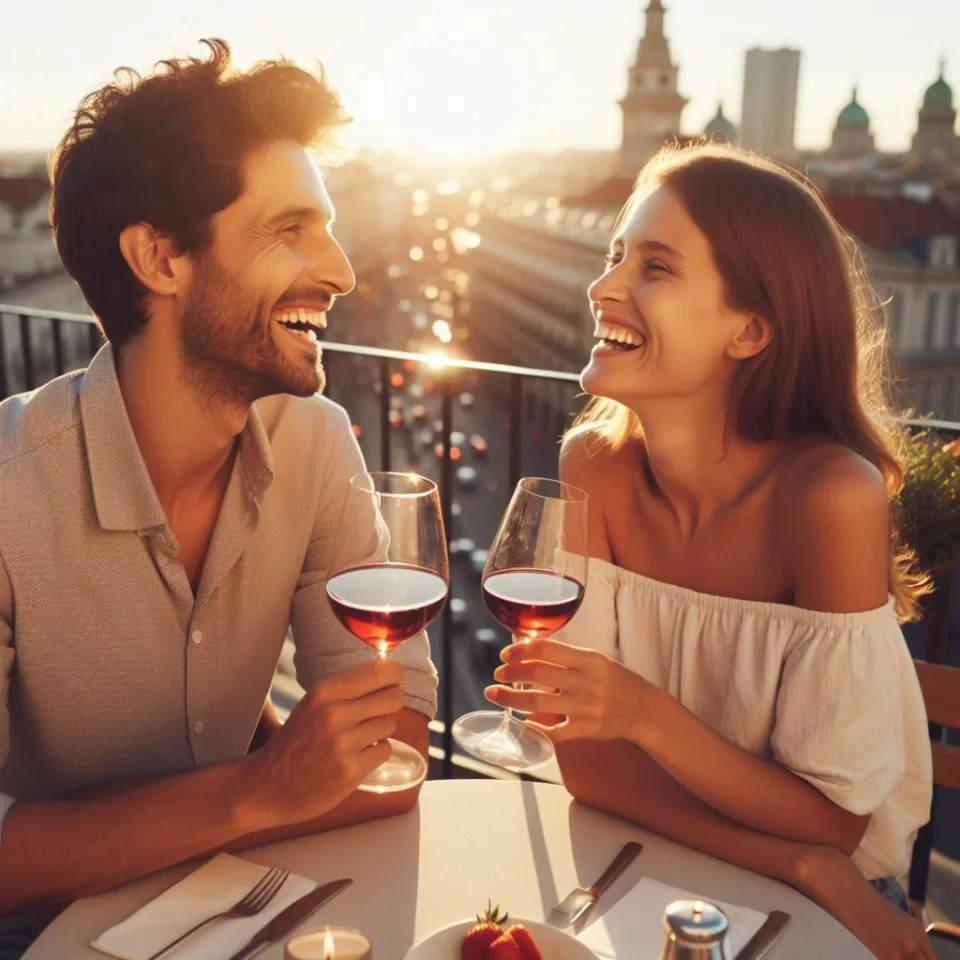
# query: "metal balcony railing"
x,y
36,345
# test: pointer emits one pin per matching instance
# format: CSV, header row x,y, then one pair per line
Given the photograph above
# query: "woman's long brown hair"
x,y
783,256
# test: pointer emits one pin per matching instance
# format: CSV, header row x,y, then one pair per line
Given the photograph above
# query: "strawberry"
x,y
524,941
477,942
504,948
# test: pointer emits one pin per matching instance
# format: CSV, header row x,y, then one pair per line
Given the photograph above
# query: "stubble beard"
x,y
229,354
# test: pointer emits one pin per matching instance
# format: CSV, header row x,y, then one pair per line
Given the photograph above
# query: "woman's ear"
x,y
751,339
154,259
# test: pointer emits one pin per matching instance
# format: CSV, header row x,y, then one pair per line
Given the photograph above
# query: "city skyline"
x,y
465,76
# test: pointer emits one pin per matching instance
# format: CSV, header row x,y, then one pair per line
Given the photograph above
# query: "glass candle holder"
x,y
329,943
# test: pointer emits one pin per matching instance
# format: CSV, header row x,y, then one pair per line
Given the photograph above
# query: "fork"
x,y
256,900
578,901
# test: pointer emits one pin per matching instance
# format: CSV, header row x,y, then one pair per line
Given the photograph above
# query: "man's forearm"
x,y
620,778
53,851
62,849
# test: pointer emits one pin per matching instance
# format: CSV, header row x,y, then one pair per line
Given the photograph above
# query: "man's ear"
x,y
751,339
154,259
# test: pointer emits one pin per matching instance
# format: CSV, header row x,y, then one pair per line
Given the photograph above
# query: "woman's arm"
x,y
620,778
604,700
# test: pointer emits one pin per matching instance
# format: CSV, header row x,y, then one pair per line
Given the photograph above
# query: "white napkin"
x,y
216,886
634,925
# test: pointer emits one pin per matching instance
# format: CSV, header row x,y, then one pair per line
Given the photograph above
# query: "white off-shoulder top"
x,y
834,697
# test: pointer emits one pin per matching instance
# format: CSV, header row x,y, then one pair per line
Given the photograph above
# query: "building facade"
x,y
852,137
652,105
936,122
26,245
770,82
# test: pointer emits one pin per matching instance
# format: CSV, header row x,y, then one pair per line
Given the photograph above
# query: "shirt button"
x,y
197,636
199,727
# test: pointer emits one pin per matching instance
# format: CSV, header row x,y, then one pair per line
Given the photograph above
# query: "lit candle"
x,y
329,943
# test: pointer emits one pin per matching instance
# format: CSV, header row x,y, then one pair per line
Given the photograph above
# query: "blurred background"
x,y
494,142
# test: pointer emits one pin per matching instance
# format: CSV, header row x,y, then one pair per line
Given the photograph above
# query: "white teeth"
x,y
314,317
611,334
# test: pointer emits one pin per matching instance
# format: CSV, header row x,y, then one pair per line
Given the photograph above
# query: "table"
x,y
525,845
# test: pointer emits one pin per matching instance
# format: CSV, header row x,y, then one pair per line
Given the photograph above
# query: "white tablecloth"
x,y
523,845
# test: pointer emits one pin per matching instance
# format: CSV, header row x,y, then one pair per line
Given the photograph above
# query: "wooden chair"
x,y
941,695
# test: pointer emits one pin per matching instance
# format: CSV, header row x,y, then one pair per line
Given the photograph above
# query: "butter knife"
x,y
286,920
758,945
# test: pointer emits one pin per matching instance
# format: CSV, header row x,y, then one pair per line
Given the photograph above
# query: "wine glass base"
x,y
403,770
511,745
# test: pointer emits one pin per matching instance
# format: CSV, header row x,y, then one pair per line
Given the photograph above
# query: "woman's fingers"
x,y
529,701
550,651
536,671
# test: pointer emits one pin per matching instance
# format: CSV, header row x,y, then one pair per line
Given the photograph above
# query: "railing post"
x,y
446,499
56,325
516,429
26,346
384,413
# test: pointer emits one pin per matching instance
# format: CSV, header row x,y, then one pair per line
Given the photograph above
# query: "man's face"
x,y
261,288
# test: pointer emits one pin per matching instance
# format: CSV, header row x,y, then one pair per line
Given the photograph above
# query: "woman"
x,y
736,677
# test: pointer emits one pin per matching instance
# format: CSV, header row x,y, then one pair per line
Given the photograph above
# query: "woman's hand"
x,y
834,882
600,698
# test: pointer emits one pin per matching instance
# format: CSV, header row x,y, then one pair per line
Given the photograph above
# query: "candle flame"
x,y
329,948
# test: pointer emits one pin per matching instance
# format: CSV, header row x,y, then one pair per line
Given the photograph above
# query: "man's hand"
x,y
333,738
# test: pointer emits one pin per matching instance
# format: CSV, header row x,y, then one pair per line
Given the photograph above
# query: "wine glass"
x,y
533,584
389,579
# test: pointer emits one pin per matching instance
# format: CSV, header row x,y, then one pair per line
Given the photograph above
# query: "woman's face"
x,y
662,326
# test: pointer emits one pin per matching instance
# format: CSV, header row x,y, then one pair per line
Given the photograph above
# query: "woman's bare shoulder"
x,y
602,471
833,515
587,461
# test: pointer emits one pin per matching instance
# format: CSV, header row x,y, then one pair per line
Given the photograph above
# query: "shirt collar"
x,y
123,492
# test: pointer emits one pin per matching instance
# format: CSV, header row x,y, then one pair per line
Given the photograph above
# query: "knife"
x,y
758,945
292,916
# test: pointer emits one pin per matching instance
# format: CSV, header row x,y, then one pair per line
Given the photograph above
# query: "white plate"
x,y
554,944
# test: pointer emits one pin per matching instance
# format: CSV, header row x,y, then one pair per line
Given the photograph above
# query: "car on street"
x,y
461,548
419,411
455,452
458,438
466,399
479,445
478,560
467,478
396,419
459,608
487,644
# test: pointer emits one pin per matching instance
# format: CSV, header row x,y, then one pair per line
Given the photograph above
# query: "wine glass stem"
x,y
509,714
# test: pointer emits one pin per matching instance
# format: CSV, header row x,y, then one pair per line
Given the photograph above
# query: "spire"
x,y
853,98
943,68
653,49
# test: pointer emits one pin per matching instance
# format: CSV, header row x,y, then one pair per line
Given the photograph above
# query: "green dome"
x,y
938,93
721,126
853,115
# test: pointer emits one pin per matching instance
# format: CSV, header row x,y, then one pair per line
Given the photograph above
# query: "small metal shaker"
x,y
694,930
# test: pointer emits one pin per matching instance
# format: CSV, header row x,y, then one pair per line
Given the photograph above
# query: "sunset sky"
x,y
472,75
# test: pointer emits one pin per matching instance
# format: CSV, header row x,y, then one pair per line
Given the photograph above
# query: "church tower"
x,y
652,105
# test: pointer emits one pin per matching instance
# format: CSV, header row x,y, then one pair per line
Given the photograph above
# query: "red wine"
x,y
386,603
532,603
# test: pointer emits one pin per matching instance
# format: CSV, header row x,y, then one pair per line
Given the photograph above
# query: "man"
x,y
166,514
